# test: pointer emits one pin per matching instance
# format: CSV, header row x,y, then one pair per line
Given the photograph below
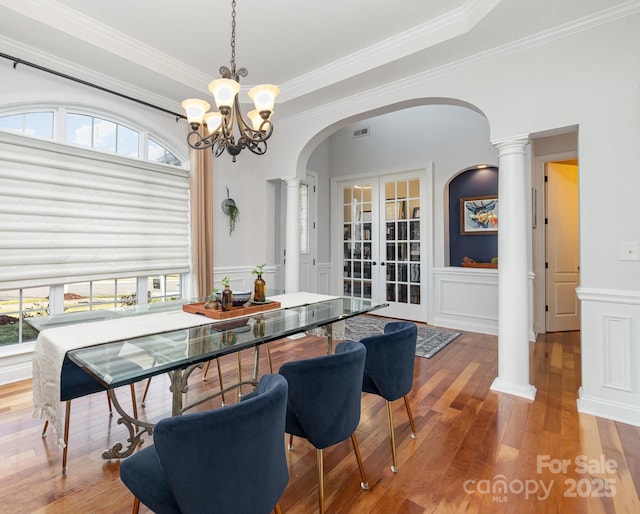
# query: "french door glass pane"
x,y
402,235
357,248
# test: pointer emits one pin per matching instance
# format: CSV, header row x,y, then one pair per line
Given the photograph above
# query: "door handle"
x,y
382,264
374,263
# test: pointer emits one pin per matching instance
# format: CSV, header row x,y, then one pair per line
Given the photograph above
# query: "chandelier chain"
x,y
233,36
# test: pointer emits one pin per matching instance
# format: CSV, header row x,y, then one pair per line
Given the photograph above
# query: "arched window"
x,y
101,134
90,131
95,217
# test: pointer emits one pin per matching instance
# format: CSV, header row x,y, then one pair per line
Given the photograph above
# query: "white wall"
x,y
586,76
319,162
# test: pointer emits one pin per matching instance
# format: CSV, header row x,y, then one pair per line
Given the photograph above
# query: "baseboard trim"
x,y
607,409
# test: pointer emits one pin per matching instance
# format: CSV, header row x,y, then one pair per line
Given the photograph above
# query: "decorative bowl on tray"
x,y
239,297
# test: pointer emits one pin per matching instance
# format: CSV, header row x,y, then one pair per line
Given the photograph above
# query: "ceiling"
x,y
163,51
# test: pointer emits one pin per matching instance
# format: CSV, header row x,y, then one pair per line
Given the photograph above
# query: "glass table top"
x,y
130,360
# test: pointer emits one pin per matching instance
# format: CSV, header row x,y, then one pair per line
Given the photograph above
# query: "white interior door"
x,y
562,259
383,246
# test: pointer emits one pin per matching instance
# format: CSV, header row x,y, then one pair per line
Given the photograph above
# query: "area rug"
x,y
430,340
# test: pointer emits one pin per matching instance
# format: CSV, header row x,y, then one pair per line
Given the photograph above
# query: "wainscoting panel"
x,y
617,353
610,339
466,299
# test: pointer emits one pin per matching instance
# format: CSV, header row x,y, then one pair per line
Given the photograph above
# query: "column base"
x,y
524,391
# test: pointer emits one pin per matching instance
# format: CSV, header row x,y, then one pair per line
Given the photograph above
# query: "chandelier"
x,y
227,128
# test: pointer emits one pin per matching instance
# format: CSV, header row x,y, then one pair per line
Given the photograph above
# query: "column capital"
x,y
510,145
293,182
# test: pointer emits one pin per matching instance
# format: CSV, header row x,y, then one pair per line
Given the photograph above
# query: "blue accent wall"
x,y
482,248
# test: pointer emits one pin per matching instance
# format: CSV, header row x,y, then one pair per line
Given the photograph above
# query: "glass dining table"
x,y
179,352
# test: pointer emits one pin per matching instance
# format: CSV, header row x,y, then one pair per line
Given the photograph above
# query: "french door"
x,y
382,243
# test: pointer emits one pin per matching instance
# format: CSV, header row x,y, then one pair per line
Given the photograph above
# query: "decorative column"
x,y
513,308
292,238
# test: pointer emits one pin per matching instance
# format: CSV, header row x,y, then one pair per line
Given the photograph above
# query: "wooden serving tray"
x,y
198,308
479,265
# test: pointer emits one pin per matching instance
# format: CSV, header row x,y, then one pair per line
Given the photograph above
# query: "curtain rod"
x,y
17,60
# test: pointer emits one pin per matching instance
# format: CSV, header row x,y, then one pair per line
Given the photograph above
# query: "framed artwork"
x,y
479,215
416,212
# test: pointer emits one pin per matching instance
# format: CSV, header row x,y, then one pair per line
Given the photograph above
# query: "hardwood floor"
x,y
476,452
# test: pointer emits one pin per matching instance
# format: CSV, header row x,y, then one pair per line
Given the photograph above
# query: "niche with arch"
x,y
481,247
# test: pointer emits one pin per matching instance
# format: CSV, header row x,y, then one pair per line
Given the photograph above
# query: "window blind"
x,y
69,214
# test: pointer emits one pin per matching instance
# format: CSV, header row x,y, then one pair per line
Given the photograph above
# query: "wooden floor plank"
x,y
468,439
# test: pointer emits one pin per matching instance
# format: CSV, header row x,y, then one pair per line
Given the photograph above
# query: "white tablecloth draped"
x,y
53,344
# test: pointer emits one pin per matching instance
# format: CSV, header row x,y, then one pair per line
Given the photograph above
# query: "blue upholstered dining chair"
x,y
74,383
229,460
388,370
324,402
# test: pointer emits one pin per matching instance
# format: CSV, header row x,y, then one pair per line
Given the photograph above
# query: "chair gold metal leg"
x,y
394,466
146,390
136,506
269,357
290,447
220,382
44,429
277,509
320,481
364,484
67,415
413,425
204,377
239,374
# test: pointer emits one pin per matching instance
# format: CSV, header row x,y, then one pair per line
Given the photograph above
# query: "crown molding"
x,y
76,24
71,22
437,30
456,22
561,31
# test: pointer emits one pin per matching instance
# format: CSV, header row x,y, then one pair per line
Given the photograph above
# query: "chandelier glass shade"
x,y
227,129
